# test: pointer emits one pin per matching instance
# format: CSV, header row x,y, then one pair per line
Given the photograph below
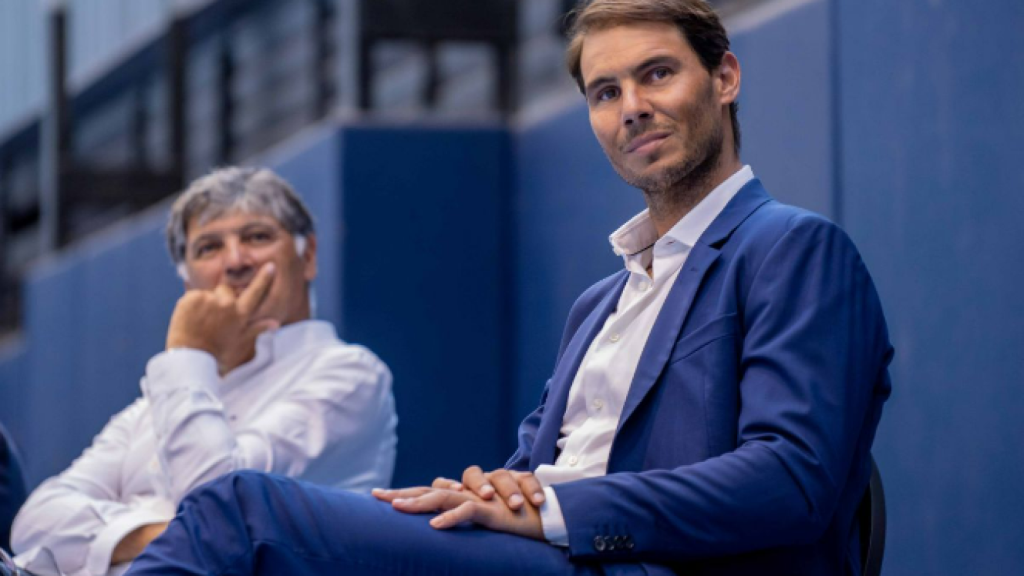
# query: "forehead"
x,y
614,50
228,222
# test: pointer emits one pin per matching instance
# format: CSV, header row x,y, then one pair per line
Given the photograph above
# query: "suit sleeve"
x,y
814,349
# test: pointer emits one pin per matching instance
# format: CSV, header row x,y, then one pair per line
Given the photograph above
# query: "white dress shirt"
x,y
307,406
602,382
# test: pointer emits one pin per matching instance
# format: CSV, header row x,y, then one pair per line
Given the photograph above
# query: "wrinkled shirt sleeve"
x,y
342,400
72,522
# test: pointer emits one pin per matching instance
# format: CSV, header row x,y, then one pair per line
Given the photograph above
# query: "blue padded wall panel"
x,y
94,316
785,104
932,118
424,215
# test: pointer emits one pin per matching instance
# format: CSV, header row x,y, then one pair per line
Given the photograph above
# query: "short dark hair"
x,y
697,21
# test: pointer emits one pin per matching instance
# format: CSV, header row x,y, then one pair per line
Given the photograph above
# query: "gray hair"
x,y
249,190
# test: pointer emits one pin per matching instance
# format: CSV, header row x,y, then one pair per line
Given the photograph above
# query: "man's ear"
x,y
309,258
182,270
727,79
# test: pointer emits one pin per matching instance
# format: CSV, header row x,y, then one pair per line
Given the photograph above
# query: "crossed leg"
x,y
249,523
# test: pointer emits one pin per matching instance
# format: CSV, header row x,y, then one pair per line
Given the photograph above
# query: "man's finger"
x,y
254,294
432,501
475,480
531,487
507,487
446,483
392,495
465,512
224,292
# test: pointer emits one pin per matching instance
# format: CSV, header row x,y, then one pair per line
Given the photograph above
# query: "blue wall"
x,y
93,316
932,181
425,217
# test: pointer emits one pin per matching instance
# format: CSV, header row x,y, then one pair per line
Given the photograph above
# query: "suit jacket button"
x,y
599,544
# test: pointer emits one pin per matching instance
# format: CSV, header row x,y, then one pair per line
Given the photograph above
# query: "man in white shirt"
x,y
712,407
247,381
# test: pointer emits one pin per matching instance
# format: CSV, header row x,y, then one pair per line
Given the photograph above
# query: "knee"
x,y
232,494
229,503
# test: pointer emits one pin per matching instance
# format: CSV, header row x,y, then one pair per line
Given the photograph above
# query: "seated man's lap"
x,y
266,524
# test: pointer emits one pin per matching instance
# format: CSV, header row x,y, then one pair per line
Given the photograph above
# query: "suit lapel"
x,y
558,395
667,326
680,298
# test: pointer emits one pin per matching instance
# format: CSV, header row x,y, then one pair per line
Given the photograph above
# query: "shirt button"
x,y
573,460
643,286
597,404
614,337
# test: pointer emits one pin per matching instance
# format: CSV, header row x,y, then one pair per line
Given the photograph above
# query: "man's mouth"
x,y
646,142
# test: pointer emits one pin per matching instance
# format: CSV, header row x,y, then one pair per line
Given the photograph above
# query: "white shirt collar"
x,y
639,234
293,337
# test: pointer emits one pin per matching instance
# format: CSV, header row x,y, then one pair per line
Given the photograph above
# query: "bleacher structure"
x,y
219,81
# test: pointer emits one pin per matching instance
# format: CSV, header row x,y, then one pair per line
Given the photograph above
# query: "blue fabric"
x,y
743,447
253,523
12,488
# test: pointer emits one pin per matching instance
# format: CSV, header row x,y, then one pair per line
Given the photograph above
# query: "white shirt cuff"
x,y
102,548
168,370
551,519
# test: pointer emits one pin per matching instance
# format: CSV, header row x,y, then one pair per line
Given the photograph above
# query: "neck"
x,y
668,207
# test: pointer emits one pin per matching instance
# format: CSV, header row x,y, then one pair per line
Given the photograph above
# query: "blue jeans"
x,y
253,523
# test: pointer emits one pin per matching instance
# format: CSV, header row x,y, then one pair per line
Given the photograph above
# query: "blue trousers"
x,y
253,523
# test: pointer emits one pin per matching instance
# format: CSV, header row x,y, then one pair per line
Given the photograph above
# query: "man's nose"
x,y
635,107
236,256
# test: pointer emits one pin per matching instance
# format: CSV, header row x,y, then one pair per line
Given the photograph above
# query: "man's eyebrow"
x,y
596,82
255,225
206,236
662,60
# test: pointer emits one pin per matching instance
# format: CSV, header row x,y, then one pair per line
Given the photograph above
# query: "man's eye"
x,y
606,94
660,73
204,250
259,237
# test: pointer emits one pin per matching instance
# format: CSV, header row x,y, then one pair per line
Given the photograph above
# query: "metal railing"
x,y
232,79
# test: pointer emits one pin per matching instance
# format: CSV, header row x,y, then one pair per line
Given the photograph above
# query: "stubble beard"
x,y
680,186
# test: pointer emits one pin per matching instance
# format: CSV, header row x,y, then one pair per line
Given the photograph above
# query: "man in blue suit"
x,y
712,407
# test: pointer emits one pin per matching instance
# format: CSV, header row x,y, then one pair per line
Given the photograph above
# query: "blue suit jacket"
x,y
12,488
743,447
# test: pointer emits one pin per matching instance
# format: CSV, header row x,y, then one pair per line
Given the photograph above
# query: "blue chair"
x,y
871,515
12,487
